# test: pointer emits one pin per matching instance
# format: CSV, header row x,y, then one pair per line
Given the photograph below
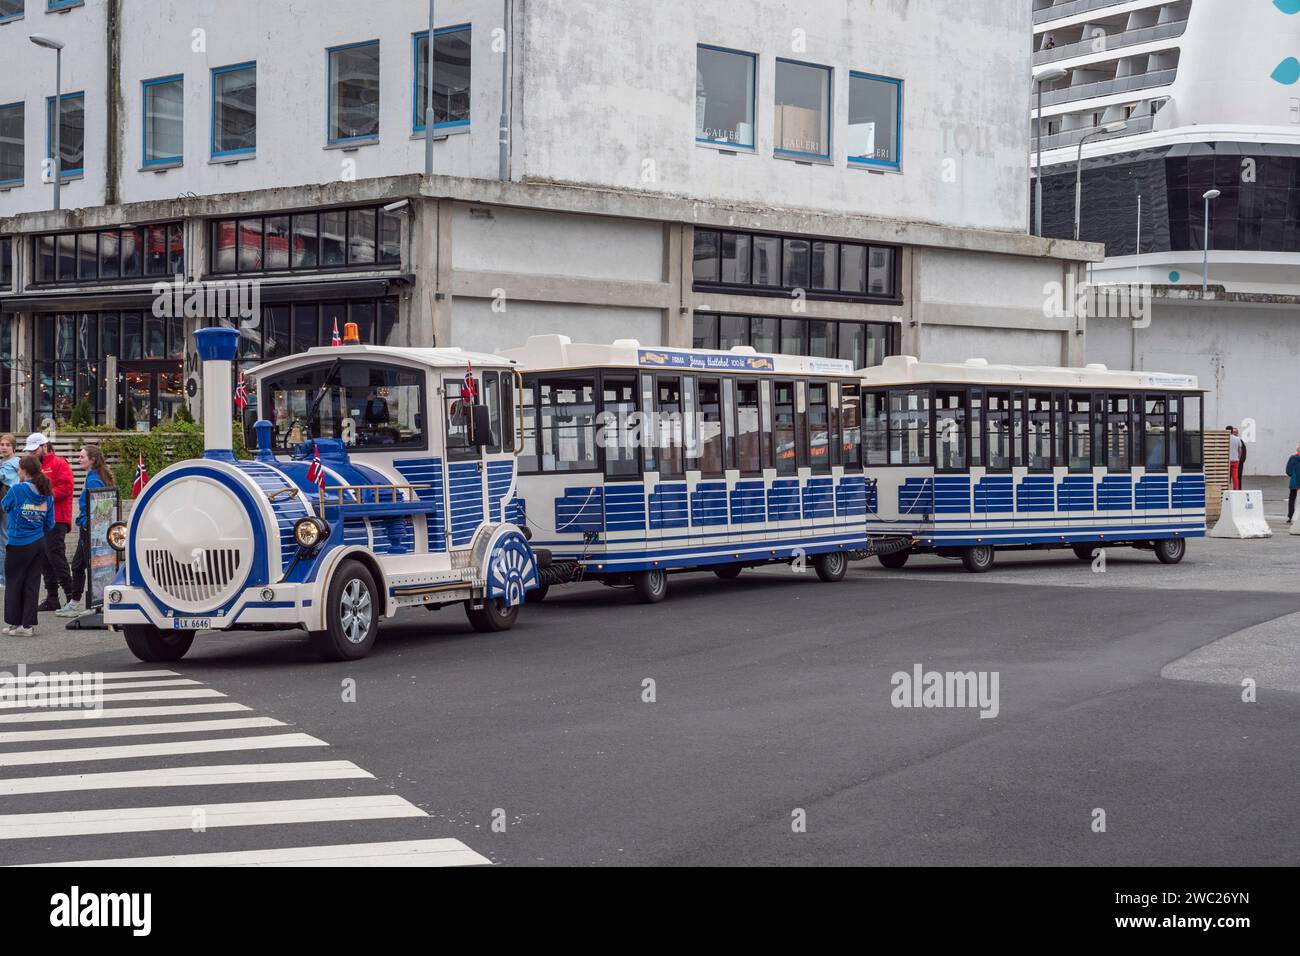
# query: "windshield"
x,y
364,405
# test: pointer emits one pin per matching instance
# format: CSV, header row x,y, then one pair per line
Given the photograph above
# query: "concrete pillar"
x,y
910,282
679,271
428,312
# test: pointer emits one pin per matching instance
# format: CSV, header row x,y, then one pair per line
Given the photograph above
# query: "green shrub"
x,y
81,416
165,445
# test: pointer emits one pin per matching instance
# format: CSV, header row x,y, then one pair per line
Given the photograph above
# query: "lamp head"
x,y
47,41
1212,194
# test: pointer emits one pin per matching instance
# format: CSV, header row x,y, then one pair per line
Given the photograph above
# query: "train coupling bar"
x,y
560,572
884,544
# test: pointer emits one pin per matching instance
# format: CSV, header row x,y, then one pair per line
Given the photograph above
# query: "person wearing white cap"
x,y
57,572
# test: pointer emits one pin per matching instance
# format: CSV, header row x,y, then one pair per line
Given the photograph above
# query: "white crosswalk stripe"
x,y
248,796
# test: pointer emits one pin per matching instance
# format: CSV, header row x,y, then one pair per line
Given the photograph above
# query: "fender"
x,y
506,563
329,563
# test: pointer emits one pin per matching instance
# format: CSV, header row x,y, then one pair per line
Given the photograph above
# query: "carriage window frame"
x,y
1051,406
874,399
1144,416
926,393
1070,397
625,376
824,466
658,430
1008,419
1115,420
757,405
772,405
698,462
941,392
1197,467
850,391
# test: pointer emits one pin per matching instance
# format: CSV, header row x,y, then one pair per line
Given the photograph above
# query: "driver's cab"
x,y
437,423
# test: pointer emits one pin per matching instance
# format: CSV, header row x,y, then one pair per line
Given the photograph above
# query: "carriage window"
x,y
950,425
711,431
783,428
1080,431
669,426
367,406
1018,429
819,426
749,452
492,399
850,426
976,452
909,427
618,432
998,431
459,446
1039,425
507,411
1191,426
1119,434
1060,430
1155,433
528,459
568,424
875,429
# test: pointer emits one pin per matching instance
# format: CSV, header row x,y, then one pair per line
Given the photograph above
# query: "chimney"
x,y
217,347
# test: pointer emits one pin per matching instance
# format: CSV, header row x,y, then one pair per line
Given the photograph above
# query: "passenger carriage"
x,y
637,462
972,458
382,480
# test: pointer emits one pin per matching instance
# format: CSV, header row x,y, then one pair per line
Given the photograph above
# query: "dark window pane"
x,y
853,269
825,265
851,345
724,97
794,337
736,258
387,333
110,334
175,250
87,256
767,260
67,257
333,316
765,334
250,245
705,334
333,238
176,337
234,110
277,242
363,315
155,262
275,331
390,237
87,337
45,259
304,242
132,335
132,253
224,244
733,330
881,273
451,78
155,338
361,236
795,268
706,256
306,327
354,92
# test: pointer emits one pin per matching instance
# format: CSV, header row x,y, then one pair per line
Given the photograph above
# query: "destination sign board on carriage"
x,y
972,457
638,461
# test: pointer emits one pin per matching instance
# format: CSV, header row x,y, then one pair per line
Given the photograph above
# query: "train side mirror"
x,y
480,425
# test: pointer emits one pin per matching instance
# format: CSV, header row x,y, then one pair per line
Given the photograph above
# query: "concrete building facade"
x,y
795,176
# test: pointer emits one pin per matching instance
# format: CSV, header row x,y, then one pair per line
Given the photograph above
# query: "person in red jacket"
x,y
57,573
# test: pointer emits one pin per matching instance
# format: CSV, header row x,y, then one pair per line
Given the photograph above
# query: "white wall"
x,y
475,326
948,343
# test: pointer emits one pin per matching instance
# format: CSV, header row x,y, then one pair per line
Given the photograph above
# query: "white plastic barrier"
x,y
1242,516
1295,525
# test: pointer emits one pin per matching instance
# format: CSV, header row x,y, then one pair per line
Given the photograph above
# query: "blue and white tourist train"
x,y
383,479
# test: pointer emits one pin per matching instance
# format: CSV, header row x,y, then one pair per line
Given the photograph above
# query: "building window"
x,y
862,343
109,255
10,10
6,264
52,5
234,110
354,92
724,97
802,114
451,65
359,238
11,144
72,133
776,265
164,113
875,124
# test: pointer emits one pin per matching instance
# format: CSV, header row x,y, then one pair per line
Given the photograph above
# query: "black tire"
x,y
154,646
1170,550
493,616
351,615
651,587
831,566
895,559
1084,551
728,572
978,559
538,594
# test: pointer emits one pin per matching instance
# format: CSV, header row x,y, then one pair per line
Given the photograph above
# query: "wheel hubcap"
x,y
355,611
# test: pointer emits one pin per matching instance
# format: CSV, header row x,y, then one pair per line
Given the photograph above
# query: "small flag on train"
x,y
316,471
469,392
141,478
241,393
334,339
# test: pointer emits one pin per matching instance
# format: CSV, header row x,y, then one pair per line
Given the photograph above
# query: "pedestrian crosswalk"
x,y
127,778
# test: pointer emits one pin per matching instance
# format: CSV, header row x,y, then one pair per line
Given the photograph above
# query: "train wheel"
x,y
977,559
538,594
1083,551
351,615
154,646
830,567
493,616
728,572
651,587
1170,550
895,560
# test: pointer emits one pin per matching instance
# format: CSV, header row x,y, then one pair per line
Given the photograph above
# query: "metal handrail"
x,y
358,490
1062,10
1121,84
1110,42
1071,137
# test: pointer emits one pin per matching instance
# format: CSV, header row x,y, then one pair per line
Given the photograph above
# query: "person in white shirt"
x,y
1236,449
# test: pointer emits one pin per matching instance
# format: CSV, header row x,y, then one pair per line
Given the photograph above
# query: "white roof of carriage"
x,y
543,352
438,358
905,369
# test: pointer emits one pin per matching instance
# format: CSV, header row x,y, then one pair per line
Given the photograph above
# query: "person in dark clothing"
x,y
57,573
98,475
30,508
1293,476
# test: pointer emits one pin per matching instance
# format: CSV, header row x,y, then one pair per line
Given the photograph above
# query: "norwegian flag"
x,y
334,339
241,394
316,471
469,391
141,478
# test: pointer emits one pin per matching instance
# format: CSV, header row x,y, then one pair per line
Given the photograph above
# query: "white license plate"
x,y
191,623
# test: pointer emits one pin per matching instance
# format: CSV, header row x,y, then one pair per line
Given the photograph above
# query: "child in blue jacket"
x,y
30,508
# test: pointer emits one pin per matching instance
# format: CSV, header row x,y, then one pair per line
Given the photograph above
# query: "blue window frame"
x,y
725,94
12,116
163,132
451,77
62,4
234,110
875,120
352,81
72,134
11,10
802,121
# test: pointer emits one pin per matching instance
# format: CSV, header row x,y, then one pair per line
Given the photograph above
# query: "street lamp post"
x,y
1110,128
1205,266
1047,76
428,100
49,43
